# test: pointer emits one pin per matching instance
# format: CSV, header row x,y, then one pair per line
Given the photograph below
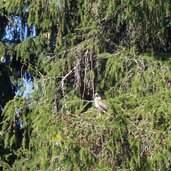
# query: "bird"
x,y
99,104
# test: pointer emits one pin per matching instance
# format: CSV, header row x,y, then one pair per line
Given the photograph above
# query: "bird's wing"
x,y
103,105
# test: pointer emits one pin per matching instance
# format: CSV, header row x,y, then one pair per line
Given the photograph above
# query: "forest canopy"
x,y
67,50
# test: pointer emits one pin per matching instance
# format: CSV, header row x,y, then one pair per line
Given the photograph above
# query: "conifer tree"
x,y
119,48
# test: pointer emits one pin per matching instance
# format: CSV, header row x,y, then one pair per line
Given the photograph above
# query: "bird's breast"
x,y
96,103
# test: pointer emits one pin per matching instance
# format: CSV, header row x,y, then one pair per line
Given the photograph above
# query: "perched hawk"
x,y
99,104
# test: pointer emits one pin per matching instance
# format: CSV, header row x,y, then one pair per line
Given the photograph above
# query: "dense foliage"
x,y
119,48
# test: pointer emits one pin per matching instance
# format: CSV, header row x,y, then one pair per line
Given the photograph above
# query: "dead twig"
x,y
64,78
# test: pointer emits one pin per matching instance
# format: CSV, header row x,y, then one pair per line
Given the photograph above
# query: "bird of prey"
x,y
99,104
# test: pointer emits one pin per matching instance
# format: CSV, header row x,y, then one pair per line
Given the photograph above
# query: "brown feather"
x,y
103,105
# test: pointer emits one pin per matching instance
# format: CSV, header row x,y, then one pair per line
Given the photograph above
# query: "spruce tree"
x,y
117,48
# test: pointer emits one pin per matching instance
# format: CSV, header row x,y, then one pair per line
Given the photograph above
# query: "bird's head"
x,y
97,96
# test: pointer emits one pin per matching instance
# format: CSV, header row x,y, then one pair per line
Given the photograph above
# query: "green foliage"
x,y
84,47
132,135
